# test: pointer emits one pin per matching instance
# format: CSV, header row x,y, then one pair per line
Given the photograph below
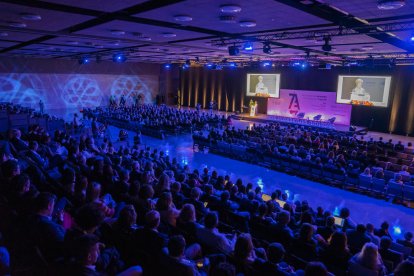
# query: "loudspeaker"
x,y
233,50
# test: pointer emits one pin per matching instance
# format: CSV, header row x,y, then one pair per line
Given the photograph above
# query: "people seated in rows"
x,y
138,204
367,262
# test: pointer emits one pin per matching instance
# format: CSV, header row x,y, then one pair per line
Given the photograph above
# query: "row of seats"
x,y
383,187
334,177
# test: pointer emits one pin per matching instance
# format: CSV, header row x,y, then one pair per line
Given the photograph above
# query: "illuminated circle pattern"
x,y
131,87
23,89
81,92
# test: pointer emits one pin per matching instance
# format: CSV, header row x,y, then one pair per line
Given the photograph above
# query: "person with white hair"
x,y
261,87
358,93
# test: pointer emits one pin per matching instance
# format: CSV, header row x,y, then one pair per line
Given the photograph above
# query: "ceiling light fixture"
x,y
367,47
247,24
267,49
227,18
145,38
169,35
248,46
230,8
117,32
115,43
327,47
17,24
119,57
233,50
182,18
30,16
390,4
84,60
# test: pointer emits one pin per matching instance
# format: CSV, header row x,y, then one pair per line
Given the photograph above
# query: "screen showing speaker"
x,y
364,90
263,85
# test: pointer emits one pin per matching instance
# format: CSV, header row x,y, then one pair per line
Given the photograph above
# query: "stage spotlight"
x,y
167,66
209,66
234,50
84,60
266,64
119,57
185,66
412,37
248,46
267,49
327,47
232,65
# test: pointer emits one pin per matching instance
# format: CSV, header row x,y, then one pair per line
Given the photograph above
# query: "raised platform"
x,y
324,125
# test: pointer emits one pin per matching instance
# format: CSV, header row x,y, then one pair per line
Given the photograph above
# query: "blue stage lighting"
x,y
397,230
119,57
266,64
248,46
412,38
167,66
233,65
84,60
209,65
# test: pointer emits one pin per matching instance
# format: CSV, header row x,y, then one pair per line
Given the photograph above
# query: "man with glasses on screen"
x,y
358,93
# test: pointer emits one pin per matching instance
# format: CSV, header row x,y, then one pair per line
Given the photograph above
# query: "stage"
x,y
324,125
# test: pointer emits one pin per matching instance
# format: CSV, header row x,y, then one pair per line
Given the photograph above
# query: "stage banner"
x,y
309,105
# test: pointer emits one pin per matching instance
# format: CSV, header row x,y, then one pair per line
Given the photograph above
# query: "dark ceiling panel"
x,y
70,28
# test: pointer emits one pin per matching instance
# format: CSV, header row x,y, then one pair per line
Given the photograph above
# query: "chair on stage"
x,y
332,120
317,117
300,115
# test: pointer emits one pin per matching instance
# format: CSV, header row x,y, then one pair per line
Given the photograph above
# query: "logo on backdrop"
x,y
294,103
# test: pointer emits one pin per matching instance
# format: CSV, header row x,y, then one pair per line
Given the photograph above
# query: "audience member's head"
x,y
176,246
338,242
344,213
223,269
187,213
89,217
152,219
408,236
211,220
306,232
87,249
405,268
385,242
275,252
369,257
316,269
243,247
283,218
127,217
361,228
45,203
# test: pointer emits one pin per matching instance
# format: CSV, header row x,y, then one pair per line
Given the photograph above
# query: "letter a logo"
x,y
294,104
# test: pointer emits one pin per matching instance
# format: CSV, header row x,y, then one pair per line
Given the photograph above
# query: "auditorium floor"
x,y
363,208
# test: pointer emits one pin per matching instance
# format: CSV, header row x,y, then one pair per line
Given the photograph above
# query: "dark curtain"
x,y
227,88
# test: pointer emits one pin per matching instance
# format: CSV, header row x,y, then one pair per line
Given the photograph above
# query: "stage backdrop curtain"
x,y
227,88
